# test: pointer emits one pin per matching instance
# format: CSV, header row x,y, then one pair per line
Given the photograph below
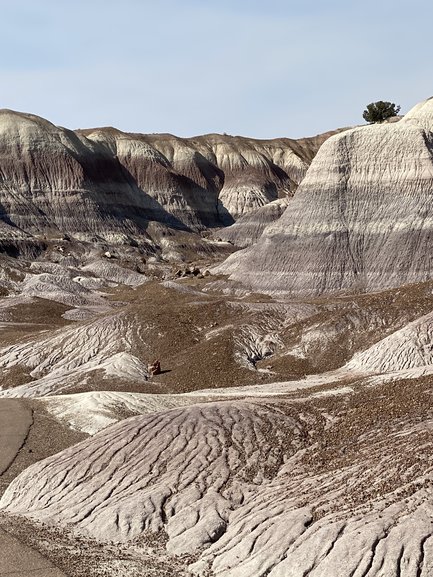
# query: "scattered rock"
x,y
155,368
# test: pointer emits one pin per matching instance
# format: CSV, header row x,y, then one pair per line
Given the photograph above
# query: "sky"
x,y
259,68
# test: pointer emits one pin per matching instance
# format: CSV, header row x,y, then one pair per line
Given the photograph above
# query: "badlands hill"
x,y
361,219
107,185
285,436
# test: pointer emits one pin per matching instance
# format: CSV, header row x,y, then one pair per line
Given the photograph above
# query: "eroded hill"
x,y
289,431
104,185
361,219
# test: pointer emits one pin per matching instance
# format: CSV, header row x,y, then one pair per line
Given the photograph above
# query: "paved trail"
x,y
17,559
15,422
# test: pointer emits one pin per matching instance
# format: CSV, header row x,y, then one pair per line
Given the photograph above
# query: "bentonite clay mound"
x,y
337,485
183,469
359,220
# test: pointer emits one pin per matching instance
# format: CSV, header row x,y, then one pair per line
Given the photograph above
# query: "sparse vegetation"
x,y
380,111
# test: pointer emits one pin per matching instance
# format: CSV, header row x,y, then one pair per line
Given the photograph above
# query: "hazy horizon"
x,y
250,68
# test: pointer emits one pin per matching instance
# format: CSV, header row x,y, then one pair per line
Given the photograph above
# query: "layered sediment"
x,y
104,184
360,220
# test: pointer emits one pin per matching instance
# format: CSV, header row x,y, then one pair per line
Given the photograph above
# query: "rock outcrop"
x,y
54,181
361,219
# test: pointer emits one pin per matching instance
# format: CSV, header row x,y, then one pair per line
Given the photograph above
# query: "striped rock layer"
x,y
110,185
362,219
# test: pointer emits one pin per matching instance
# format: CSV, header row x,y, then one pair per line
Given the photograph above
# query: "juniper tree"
x,y
380,111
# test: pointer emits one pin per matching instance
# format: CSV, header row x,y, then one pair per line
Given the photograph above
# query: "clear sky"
x,y
261,68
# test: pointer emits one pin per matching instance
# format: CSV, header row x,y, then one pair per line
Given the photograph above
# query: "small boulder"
x,y
154,368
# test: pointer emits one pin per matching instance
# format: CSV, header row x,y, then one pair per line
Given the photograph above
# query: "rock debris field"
x,y
288,430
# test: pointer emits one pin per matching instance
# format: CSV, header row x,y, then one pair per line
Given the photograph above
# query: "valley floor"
x,y
283,437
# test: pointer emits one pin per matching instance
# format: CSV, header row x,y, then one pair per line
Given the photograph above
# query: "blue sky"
x,y
258,68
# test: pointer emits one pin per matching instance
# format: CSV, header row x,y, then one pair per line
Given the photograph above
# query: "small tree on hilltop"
x,y
380,111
